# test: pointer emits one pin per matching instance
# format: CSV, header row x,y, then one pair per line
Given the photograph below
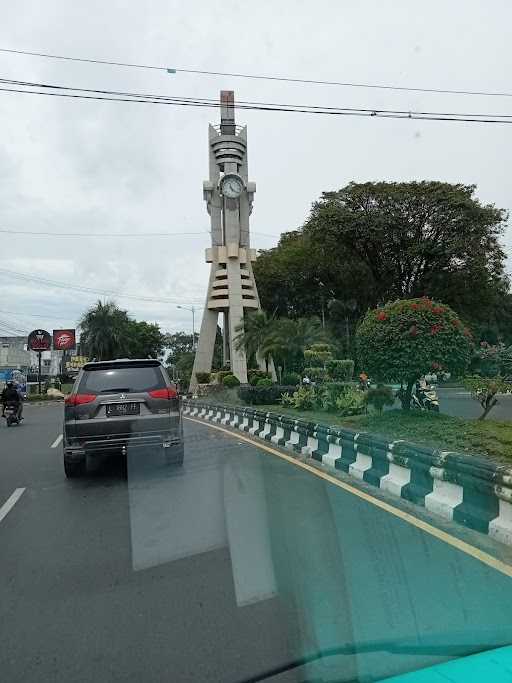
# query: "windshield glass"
x,y
256,305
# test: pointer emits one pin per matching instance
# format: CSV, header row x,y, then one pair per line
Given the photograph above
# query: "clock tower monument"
x,y
231,288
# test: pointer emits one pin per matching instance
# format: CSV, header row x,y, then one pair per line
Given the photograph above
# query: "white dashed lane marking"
x,y
10,503
57,441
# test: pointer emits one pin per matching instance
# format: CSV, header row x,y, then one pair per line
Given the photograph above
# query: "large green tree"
x,y
144,340
177,344
373,242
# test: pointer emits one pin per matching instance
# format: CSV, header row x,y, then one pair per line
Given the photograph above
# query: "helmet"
x,y
10,383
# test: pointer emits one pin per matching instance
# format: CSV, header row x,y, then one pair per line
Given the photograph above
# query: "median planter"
x,y
465,489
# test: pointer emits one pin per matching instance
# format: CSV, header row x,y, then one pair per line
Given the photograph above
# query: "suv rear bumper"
x,y
76,451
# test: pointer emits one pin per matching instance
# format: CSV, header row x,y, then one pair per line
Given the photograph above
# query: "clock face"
x,y
232,186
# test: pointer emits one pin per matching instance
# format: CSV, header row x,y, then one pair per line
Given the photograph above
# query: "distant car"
x,y
121,404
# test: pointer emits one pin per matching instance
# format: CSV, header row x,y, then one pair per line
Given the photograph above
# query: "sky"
x,y
104,168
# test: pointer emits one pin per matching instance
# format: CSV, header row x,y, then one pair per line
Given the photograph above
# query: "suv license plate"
x,y
121,409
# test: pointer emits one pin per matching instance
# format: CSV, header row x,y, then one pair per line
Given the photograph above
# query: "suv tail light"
x,y
166,393
79,399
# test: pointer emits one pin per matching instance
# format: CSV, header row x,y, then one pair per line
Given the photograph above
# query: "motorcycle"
x,y
425,399
11,414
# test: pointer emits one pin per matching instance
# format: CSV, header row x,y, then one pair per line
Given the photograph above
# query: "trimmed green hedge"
x,y
340,370
230,381
264,382
291,378
220,374
254,376
263,395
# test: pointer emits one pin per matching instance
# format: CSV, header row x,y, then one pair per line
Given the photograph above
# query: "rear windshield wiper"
x,y
114,390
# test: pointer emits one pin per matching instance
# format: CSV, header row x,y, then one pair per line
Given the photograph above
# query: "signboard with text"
x,y
76,362
64,340
39,340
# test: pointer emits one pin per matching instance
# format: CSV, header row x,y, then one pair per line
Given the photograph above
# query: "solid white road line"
x,y
10,503
57,441
440,534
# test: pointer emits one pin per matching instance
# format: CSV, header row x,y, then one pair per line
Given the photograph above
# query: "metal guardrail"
x,y
469,490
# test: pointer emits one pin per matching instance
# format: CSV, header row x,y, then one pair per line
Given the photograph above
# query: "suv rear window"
x,y
121,379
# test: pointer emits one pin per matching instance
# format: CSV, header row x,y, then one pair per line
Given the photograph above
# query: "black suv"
x,y
120,404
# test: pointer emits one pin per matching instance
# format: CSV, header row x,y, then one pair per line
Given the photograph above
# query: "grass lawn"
x,y
487,437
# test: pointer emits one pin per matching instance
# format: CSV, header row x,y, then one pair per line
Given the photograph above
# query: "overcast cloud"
x,y
105,168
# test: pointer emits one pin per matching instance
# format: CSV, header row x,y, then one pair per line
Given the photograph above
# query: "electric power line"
x,y
9,329
91,290
115,235
33,315
262,77
304,109
102,235
14,330
13,326
241,104
5,332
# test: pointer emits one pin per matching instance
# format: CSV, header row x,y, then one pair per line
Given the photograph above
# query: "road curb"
x,y
468,490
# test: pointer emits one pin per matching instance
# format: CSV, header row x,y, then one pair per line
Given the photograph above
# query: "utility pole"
x,y
193,311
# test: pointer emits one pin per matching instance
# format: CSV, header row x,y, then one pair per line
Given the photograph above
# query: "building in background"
x,y
15,355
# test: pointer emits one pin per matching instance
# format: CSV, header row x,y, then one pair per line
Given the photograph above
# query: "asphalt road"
x,y
222,570
458,402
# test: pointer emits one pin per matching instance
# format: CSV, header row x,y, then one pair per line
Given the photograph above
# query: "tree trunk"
x,y
406,400
489,405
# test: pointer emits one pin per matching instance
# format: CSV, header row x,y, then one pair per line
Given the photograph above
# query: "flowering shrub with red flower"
x,y
406,339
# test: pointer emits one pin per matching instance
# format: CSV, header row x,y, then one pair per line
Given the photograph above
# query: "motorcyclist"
x,y
364,381
10,395
421,387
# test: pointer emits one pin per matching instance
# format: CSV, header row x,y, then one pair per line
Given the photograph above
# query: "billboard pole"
x,y
39,341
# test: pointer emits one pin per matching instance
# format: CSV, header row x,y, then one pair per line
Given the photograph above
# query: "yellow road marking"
x,y
464,547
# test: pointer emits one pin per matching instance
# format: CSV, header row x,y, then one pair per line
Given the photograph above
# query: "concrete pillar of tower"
x,y
204,352
236,320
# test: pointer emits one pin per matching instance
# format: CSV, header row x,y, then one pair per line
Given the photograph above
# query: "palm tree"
x,y
294,336
282,339
308,331
254,335
103,331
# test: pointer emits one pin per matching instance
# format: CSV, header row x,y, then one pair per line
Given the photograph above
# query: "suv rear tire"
x,y
73,470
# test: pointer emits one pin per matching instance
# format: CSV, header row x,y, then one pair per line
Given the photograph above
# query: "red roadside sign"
x,y
39,340
64,340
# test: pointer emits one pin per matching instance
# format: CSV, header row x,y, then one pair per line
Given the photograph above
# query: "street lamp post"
x,y
193,311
